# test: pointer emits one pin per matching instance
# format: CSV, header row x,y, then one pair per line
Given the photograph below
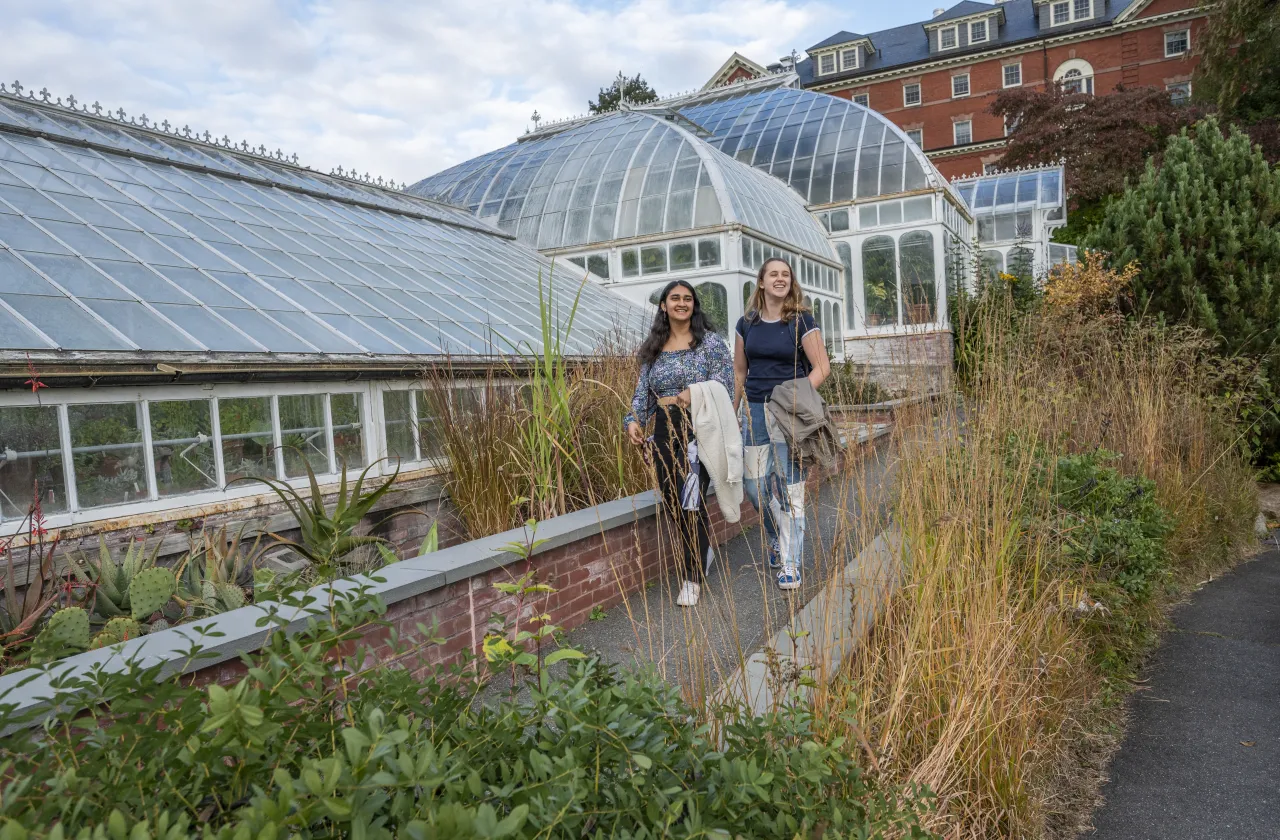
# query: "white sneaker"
x,y
689,592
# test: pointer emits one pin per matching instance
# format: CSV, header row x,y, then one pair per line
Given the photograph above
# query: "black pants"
x,y
689,531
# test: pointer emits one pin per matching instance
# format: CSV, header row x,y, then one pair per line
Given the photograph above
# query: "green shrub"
x,y
309,744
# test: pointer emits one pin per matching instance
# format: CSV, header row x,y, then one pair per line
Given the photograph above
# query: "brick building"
x,y
936,78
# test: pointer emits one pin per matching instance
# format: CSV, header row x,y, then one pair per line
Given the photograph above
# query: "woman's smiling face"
x,y
777,280
679,304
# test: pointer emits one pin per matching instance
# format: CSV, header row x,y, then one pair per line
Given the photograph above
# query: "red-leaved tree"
x,y
1104,140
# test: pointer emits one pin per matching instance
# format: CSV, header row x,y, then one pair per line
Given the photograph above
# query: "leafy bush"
x,y
311,743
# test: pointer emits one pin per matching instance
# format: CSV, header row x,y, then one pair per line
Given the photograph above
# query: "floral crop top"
x,y
675,370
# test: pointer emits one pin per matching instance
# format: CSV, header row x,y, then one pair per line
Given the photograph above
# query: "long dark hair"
x,y
652,346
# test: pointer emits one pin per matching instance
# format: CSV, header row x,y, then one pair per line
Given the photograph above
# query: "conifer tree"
x,y
1204,229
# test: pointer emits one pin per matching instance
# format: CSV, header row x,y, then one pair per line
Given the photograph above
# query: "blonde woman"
x,y
777,341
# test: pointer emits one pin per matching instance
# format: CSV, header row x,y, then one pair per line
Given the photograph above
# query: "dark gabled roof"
x,y
841,37
962,10
903,46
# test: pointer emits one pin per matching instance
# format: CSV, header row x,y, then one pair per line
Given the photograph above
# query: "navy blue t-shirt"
x,y
773,354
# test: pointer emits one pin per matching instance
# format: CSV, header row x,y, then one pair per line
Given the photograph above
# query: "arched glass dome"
x,y
827,148
627,174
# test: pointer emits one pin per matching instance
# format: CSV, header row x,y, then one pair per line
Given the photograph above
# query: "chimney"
x,y
938,12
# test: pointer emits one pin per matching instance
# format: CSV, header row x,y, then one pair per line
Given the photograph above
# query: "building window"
x,y
1074,81
1177,43
990,168
960,85
917,136
1081,9
827,64
1061,13
1179,92
1070,11
1013,75
849,59
977,32
919,291
911,94
947,38
863,99
963,130
880,281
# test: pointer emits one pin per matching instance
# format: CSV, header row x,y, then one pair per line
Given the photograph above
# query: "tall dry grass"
x,y
978,681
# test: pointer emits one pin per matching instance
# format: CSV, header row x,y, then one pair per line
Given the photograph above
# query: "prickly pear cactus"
x,y
232,597
157,625
116,630
66,632
150,590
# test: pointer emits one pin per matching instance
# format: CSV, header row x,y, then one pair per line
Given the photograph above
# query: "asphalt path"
x,y
1201,758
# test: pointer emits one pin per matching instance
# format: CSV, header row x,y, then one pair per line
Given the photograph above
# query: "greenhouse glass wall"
x,y
710,185
1016,214
200,313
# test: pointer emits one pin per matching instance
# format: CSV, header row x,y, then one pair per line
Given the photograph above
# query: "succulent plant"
x,y
106,581
66,632
116,630
150,590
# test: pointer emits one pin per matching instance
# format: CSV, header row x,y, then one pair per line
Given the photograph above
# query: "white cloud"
x,y
400,89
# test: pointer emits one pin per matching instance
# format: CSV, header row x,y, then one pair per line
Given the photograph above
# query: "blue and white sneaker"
x,y
775,555
789,578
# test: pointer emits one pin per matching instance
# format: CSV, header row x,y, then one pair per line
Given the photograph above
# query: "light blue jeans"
x,y
774,484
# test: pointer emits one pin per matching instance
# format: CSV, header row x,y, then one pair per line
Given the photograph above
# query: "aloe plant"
x,y
214,574
328,535
106,583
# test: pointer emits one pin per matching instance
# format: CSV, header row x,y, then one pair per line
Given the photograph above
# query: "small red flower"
x,y
34,381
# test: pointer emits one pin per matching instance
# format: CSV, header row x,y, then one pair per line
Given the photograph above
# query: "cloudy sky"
x,y
398,88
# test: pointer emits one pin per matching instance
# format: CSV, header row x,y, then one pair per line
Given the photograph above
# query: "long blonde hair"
x,y
792,304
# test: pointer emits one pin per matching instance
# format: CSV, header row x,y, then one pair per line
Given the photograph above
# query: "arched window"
x,y
1075,76
846,257
827,324
919,278
835,315
880,281
747,288
715,305
992,265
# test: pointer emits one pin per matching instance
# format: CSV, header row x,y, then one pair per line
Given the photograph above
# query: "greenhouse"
x,y
201,313
1016,214
708,186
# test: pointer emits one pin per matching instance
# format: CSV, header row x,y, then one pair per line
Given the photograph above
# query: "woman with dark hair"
x,y
682,350
777,342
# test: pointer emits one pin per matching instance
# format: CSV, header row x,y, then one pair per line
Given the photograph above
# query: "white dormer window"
x,y
1070,11
948,39
977,31
960,86
827,64
849,59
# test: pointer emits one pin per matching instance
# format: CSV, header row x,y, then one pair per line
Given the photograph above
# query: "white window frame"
x,y
916,135
919,95
844,58
955,132
986,31
1072,17
373,440
1186,37
1004,75
967,87
955,38
1179,86
863,99
822,64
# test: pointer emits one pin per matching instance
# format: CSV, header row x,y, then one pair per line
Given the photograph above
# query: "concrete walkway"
x,y
741,605
1201,759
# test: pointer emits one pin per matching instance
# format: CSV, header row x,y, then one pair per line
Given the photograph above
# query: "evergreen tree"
x,y
636,90
1204,229
1239,69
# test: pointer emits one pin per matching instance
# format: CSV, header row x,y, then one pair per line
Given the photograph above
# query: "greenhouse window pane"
x,y
839,220
653,259
430,431
141,325
30,461
76,276
397,419
206,329
682,256
182,446
868,217
714,300
891,213
245,426
348,430
143,282
917,209
106,453
64,322
17,232
303,438
919,286
17,278
880,281
708,252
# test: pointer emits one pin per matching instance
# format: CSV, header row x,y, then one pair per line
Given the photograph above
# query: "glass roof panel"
x,y
1039,188
111,253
